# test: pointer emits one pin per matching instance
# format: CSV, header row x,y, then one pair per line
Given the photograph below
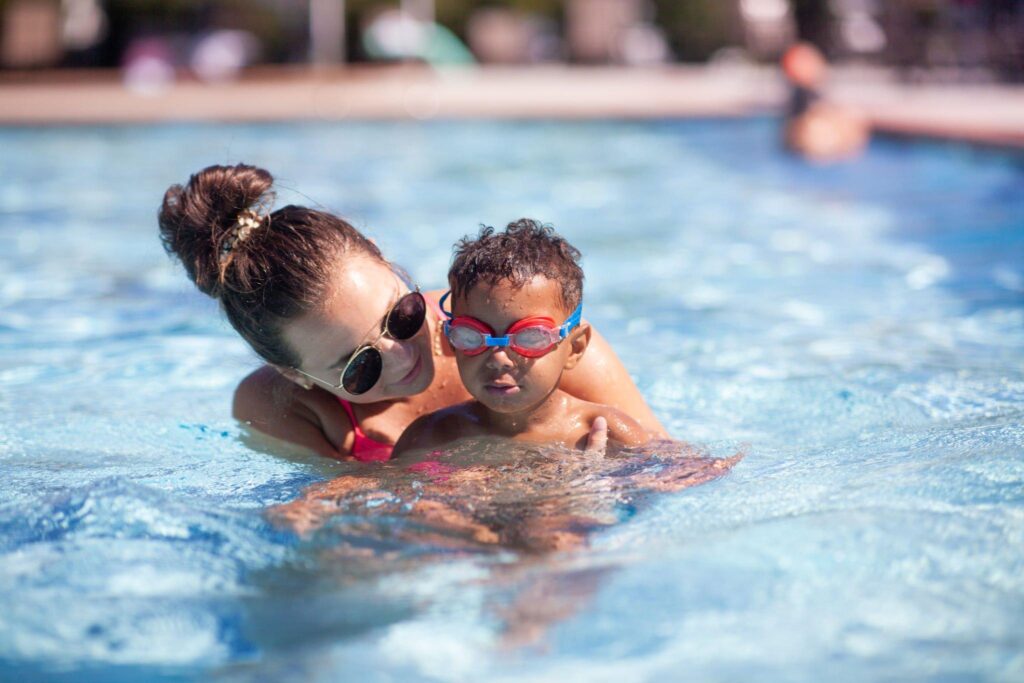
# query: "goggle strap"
x,y
440,304
571,322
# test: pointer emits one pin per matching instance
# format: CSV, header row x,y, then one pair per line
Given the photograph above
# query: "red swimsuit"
x,y
363,447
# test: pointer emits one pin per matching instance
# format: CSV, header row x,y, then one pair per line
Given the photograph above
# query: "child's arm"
x,y
420,435
435,429
625,429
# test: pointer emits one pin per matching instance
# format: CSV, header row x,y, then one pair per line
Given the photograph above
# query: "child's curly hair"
x,y
525,249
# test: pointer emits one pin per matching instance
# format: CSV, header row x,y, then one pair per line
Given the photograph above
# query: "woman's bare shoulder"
x,y
274,406
435,294
601,378
621,427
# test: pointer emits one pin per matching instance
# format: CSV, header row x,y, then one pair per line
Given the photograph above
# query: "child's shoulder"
x,y
439,427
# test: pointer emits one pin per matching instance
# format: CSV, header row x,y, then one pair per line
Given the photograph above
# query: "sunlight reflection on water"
x,y
858,330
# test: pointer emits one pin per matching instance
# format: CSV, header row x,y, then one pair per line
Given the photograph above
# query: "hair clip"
x,y
248,221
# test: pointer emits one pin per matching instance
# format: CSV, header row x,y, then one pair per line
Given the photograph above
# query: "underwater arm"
x,y
319,503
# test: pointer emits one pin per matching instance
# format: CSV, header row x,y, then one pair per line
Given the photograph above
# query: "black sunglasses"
x,y
364,366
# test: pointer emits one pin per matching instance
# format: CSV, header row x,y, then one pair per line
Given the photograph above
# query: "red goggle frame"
x,y
531,337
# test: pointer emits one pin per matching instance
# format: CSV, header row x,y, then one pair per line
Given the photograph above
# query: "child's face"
x,y
500,378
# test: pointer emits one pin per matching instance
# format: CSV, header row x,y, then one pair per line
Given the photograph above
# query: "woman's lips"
x,y
413,372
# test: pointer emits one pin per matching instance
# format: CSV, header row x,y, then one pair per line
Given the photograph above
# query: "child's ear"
x,y
578,341
293,376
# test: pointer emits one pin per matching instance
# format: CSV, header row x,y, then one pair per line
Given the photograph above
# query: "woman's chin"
x,y
425,377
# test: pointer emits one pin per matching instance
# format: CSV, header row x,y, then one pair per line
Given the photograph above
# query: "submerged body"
x,y
488,492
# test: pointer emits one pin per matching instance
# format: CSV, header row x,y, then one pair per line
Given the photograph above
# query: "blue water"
x,y
857,329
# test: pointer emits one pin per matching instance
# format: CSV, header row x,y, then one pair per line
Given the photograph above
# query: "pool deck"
x,y
981,113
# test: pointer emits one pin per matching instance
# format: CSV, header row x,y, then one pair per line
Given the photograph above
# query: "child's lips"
x,y
502,388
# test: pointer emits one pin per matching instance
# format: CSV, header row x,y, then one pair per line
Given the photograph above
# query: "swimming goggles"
x,y
531,337
363,368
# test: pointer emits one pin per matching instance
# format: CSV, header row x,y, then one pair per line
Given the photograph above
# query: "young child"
x,y
516,326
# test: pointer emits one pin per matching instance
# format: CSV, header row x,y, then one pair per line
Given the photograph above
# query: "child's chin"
x,y
503,401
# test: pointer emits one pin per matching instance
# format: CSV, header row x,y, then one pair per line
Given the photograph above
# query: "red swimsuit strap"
x,y
364,448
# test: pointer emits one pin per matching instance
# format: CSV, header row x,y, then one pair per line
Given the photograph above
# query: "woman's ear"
x,y
291,375
579,340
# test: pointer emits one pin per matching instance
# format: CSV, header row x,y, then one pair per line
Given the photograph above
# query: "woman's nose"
x,y
394,348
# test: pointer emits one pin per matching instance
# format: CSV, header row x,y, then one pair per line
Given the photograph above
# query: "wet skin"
x,y
285,410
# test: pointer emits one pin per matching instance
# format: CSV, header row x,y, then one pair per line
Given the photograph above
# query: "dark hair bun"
x,y
198,219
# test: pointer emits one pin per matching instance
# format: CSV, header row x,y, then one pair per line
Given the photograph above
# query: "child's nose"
x,y
499,359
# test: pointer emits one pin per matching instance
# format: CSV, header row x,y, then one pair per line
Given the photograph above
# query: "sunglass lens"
x,y
407,316
363,371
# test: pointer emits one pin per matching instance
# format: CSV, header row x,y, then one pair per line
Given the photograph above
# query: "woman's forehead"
x,y
357,299
356,287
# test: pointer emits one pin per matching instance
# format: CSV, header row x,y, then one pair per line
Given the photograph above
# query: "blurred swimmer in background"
x,y
815,128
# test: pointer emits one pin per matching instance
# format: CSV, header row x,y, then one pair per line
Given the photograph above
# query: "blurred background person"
x,y
815,128
392,34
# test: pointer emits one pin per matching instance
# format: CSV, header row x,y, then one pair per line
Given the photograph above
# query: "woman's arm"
x,y
274,406
624,429
600,377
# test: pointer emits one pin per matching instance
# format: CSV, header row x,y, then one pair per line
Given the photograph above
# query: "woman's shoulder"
x,y
434,296
621,426
272,405
600,377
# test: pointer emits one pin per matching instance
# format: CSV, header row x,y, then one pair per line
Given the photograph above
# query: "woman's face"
x,y
359,298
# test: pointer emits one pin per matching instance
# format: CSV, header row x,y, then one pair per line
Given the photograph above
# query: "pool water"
x,y
857,330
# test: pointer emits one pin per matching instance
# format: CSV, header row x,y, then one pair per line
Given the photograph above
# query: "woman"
x,y
354,352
